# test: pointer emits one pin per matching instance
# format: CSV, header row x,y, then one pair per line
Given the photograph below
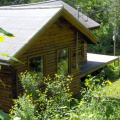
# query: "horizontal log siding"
x,y
60,35
84,50
7,92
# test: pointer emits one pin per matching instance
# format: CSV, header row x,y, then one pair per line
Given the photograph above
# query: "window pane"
x,y
36,66
63,61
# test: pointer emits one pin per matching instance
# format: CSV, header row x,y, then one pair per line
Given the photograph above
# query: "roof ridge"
x,y
31,7
49,1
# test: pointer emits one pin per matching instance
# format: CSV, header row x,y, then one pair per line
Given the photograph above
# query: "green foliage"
x,y
105,46
6,2
59,103
63,57
110,72
13,2
63,67
30,84
106,13
4,116
95,105
52,103
6,33
24,108
2,82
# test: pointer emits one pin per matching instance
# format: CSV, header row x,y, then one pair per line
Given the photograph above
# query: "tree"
x,y
13,2
6,2
105,12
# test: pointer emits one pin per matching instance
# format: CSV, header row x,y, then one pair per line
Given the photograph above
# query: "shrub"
x,y
110,72
95,105
24,108
53,103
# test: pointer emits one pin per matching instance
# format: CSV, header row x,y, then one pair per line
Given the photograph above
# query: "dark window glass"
x,y
63,61
36,66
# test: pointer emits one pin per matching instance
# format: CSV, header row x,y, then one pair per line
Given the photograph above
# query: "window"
x,y
36,66
63,61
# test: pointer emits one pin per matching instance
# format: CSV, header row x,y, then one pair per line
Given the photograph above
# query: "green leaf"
x,y
6,33
2,39
98,80
4,116
13,58
74,116
9,35
5,55
2,82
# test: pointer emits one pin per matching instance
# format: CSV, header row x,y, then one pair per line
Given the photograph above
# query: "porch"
x,y
95,62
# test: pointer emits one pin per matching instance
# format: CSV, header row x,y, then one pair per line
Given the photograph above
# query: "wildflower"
x,y
86,84
89,76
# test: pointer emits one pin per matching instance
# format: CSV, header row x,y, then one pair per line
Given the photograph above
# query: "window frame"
x,y
44,63
69,59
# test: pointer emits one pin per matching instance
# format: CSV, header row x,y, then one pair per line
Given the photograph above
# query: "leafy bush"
x,y
53,103
95,105
24,108
110,72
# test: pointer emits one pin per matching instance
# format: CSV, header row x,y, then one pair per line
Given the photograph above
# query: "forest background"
x,y
105,12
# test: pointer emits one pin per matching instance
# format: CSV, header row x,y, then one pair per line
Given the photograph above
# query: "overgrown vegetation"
x,y
52,103
56,101
110,72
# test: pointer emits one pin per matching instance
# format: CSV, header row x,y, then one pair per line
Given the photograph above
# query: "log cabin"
x,y
49,33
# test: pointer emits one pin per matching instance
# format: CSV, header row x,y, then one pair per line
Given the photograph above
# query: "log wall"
x,y
8,90
60,35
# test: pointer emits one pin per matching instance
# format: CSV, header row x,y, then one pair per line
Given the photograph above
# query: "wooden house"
x,y
48,33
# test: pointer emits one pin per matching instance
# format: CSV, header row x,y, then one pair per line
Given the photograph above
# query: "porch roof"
x,y
95,62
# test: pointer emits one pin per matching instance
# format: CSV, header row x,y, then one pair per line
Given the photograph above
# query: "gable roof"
x,y
86,21
26,22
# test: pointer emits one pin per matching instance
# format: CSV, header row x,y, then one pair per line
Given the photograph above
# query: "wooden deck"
x,y
95,62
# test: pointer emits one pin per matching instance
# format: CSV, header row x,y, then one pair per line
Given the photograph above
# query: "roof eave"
x,y
94,28
3,62
75,22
